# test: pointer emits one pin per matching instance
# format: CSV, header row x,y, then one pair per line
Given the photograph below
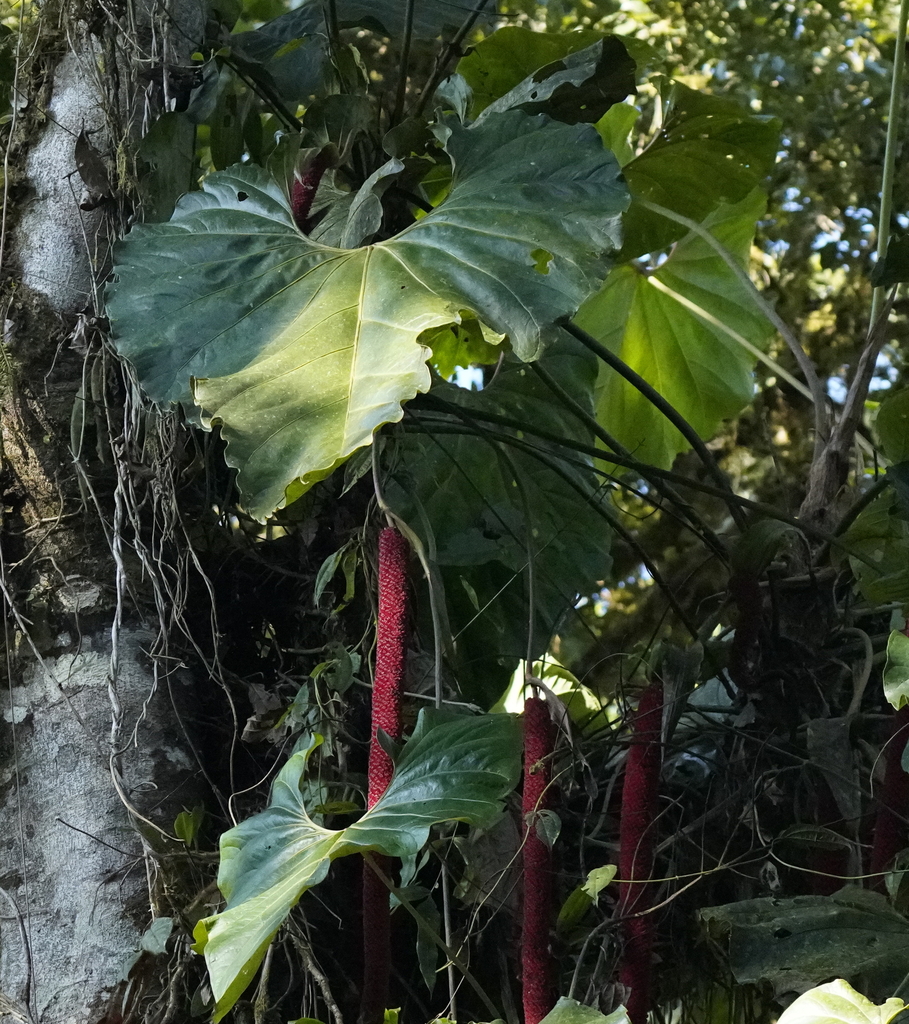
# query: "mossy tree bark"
x,y
95,757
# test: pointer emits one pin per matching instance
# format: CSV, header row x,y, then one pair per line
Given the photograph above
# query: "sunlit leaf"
x,y
453,768
463,344
570,1011
300,351
837,1002
615,130
650,320
710,152
896,671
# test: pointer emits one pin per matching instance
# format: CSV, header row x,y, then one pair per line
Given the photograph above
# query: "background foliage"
x,y
559,513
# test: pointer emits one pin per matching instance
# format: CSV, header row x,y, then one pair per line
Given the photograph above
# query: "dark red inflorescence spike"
x,y
303,191
637,835
391,638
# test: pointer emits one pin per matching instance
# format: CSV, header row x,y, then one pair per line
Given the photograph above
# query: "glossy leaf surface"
x,y
796,943
570,1011
300,351
453,768
896,670
837,1002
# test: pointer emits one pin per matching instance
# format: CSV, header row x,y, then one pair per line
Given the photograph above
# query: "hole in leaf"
x,y
781,933
242,195
541,260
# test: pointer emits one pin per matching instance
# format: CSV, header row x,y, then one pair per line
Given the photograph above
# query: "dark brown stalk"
x,y
537,964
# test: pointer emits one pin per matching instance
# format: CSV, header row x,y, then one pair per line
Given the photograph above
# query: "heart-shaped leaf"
x,y
681,328
837,1002
453,768
300,351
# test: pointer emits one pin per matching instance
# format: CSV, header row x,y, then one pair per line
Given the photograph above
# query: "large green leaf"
x,y
799,942
575,76
497,516
300,351
837,1002
650,320
453,768
504,59
710,152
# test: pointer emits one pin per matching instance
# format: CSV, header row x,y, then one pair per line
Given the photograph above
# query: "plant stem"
x,y
893,126
431,934
537,965
653,476
771,511
659,402
592,424
401,90
452,49
386,715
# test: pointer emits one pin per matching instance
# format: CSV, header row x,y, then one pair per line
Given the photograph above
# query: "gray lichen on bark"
x,y
89,733
57,242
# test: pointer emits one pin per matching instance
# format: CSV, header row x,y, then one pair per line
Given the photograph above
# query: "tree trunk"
x,y
95,758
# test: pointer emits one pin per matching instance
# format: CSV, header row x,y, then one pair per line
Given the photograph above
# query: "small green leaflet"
x,y
453,768
300,351
584,896
896,671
